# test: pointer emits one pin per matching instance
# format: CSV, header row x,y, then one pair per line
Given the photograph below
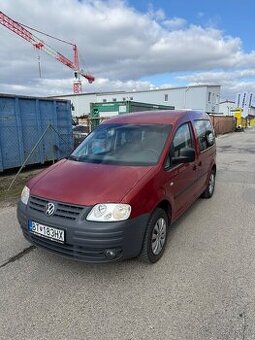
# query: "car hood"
x,y
86,183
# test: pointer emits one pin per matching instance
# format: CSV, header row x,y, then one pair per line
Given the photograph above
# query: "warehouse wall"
x,y
204,98
200,97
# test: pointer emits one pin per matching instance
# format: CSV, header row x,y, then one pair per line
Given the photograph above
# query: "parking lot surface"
x,y
202,288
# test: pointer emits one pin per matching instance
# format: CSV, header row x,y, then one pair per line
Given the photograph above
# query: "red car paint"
x,y
87,184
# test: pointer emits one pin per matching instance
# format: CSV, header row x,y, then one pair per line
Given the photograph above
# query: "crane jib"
x,y
20,30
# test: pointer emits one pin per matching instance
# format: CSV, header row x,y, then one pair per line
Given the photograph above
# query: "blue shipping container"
x,y
23,121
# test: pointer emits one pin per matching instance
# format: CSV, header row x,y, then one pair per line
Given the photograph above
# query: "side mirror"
x,y
187,155
209,137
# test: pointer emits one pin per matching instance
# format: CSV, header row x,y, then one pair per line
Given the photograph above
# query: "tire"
x,y
155,237
208,193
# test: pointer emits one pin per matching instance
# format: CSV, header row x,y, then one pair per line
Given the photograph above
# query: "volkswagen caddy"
x,y
117,194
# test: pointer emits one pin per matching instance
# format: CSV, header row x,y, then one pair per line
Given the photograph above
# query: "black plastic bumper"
x,y
87,241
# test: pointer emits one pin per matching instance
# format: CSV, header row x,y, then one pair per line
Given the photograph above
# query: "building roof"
x,y
227,101
139,91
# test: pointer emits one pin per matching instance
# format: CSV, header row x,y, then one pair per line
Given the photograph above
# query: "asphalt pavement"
x,y
202,288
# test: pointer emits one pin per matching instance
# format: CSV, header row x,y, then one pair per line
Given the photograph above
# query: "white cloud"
x,y
232,82
155,14
174,23
48,87
218,77
118,45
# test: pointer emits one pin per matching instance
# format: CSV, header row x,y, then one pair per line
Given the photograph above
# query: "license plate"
x,y
51,233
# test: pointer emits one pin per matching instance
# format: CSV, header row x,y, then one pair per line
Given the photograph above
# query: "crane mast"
x,y
39,44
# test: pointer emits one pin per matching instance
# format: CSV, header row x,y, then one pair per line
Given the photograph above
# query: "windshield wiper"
x,y
73,158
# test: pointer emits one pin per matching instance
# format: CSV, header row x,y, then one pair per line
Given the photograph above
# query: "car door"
x,y
206,151
180,179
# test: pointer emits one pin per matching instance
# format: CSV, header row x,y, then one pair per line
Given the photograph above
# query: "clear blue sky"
x,y
233,17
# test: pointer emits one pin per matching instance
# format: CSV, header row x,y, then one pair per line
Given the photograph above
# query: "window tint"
x,y
205,133
119,144
182,140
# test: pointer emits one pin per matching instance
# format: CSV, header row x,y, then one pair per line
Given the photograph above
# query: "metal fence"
x,y
223,124
32,147
50,146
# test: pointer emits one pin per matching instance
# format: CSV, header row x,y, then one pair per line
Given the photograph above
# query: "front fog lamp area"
x,y
109,212
25,195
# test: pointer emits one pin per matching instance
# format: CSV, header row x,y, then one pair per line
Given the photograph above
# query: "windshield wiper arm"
x,y
73,158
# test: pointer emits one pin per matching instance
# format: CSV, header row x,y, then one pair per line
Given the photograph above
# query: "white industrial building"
x,y
227,107
199,97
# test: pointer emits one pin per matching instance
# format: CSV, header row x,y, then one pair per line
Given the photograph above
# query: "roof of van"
x,y
156,117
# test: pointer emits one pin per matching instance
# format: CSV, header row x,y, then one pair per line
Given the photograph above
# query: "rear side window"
x,y
205,133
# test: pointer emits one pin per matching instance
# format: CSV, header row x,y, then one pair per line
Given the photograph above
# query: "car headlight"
x,y
25,195
109,212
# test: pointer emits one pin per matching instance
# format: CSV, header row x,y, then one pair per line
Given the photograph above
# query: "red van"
x,y
116,195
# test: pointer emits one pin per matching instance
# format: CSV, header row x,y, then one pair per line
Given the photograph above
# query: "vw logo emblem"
x,y
50,209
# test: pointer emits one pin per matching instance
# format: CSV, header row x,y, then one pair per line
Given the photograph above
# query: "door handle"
x,y
200,163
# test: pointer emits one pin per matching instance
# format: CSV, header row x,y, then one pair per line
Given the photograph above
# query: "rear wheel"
x,y
210,186
155,237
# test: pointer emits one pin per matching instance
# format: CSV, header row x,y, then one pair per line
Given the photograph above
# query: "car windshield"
x,y
123,144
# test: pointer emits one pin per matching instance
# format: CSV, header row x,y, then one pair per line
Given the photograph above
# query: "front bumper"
x,y
84,240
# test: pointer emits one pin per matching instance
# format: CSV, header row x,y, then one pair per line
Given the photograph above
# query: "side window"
x,y
182,140
205,133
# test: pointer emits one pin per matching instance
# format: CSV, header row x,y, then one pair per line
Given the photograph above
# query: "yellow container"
x,y
238,117
252,122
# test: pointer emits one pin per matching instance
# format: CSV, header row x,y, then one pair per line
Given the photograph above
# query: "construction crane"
x,y
39,44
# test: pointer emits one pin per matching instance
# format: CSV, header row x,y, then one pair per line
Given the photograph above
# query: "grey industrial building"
x,y
198,97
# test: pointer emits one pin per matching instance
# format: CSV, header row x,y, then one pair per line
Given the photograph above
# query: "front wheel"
x,y
155,237
210,186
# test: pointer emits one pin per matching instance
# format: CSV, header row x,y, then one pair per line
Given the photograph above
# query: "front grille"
x,y
68,250
65,211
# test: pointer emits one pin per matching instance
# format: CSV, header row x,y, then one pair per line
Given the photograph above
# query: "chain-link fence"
x,y
29,147
16,147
